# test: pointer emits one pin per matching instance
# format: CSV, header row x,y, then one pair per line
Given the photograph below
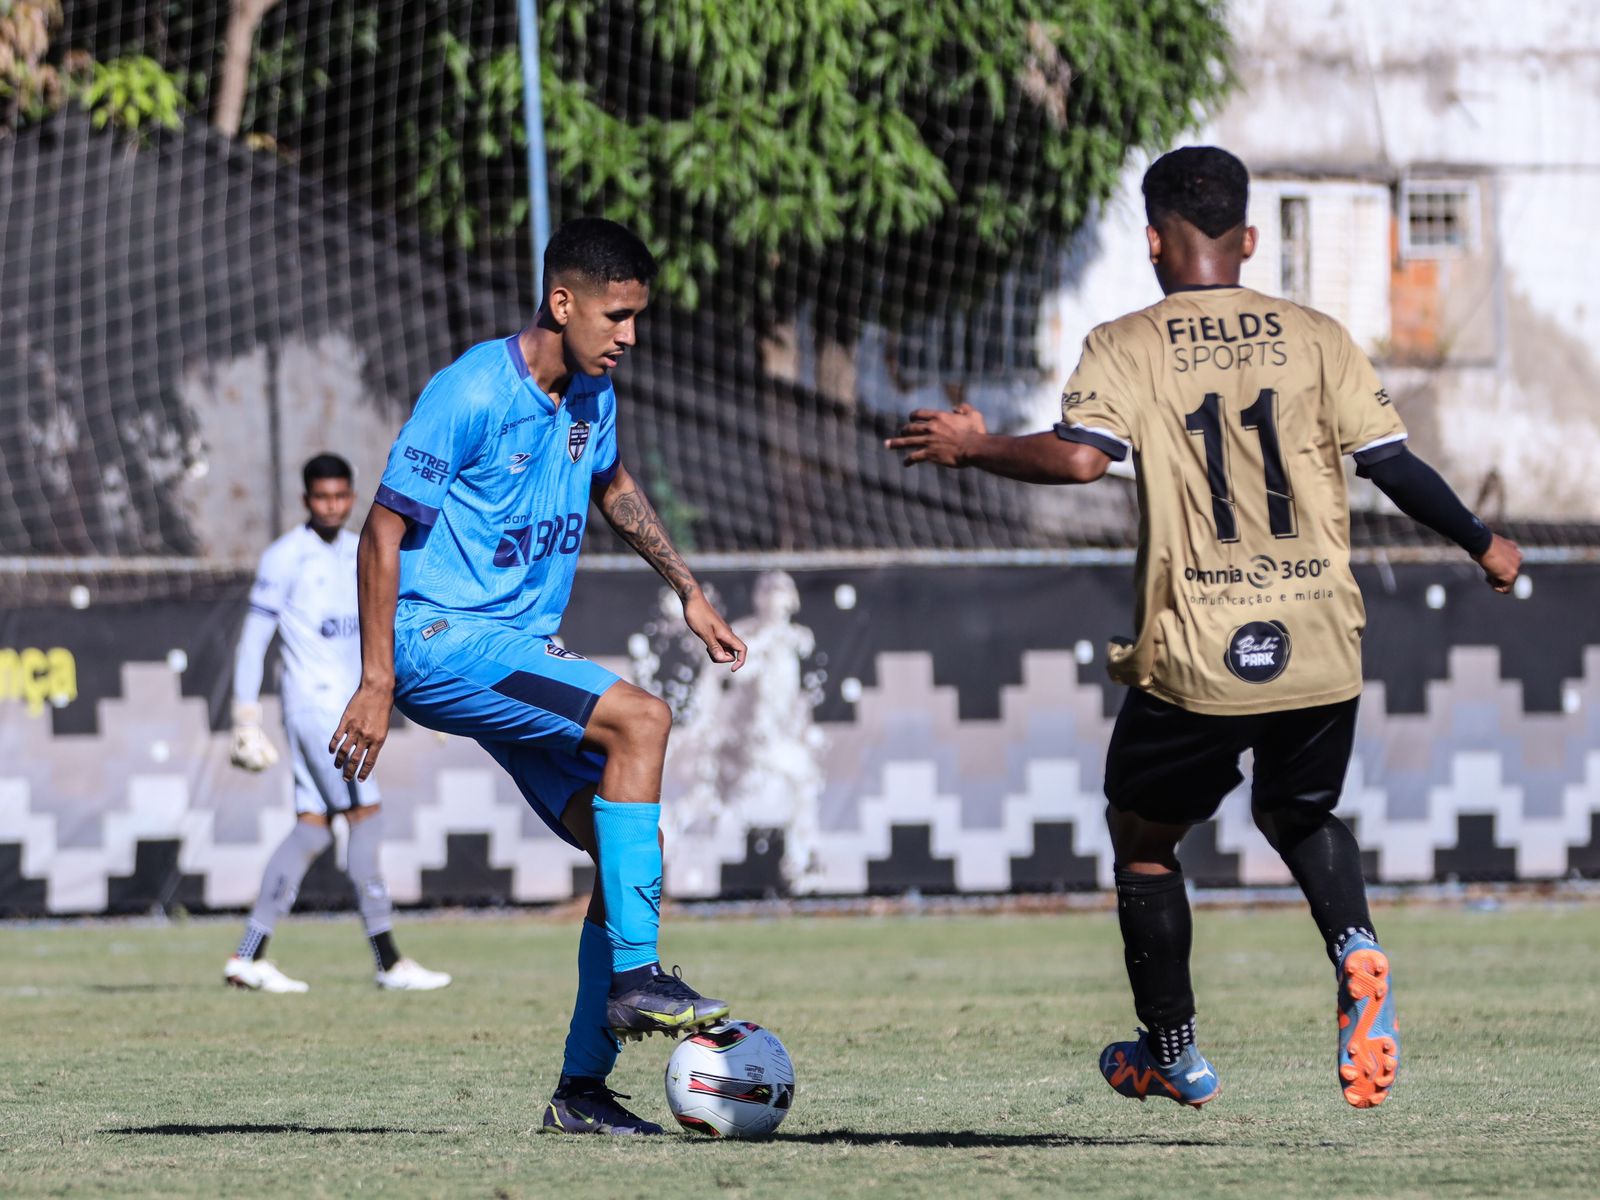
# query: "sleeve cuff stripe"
x,y
265,612
1107,443
406,506
1392,440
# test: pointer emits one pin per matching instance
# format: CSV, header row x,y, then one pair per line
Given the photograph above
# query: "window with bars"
x,y
1438,219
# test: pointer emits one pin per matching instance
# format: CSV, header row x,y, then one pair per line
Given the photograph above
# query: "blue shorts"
x,y
522,698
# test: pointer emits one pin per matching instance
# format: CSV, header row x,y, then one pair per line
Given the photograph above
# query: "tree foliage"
x,y
30,87
133,93
876,159
892,150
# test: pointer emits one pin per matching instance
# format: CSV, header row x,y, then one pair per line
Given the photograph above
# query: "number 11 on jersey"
x,y
1262,417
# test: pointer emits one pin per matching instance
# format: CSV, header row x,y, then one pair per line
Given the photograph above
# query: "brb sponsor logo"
x,y
1261,572
1258,651
520,421
528,543
431,467
345,626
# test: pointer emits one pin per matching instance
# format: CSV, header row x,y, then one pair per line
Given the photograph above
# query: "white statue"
x,y
745,752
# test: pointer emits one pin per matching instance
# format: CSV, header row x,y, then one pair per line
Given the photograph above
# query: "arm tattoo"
x,y
630,513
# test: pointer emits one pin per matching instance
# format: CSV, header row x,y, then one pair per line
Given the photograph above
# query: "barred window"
x,y
1438,219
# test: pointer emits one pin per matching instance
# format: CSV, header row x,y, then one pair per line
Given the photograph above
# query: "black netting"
x,y
199,292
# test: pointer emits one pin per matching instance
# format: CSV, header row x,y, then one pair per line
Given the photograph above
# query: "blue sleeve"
x,y
445,433
605,450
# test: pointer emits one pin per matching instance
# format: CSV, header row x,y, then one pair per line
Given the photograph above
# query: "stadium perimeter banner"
x,y
897,728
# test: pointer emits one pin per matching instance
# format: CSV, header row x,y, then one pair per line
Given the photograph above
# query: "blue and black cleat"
x,y
583,1105
661,1003
1132,1070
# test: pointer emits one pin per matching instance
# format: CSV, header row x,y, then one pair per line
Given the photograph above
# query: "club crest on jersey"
x,y
555,651
1258,651
577,439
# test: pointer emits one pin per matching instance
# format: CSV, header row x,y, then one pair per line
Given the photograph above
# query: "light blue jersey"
x,y
496,479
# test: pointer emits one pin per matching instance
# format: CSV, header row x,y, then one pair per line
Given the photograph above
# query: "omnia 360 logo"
x,y
1260,572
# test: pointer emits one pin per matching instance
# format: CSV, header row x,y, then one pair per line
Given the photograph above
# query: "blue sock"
x,y
630,880
591,1047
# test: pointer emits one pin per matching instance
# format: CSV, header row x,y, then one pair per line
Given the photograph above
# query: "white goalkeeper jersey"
x,y
305,588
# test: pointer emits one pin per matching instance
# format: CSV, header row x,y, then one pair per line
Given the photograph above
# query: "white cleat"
x,y
408,975
260,975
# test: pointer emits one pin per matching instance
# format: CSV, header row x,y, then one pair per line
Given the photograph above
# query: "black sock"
x,y
1168,1044
1153,911
383,949
1325,861
569,1085
626,981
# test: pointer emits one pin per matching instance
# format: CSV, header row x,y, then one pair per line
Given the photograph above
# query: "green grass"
x,y
937,1056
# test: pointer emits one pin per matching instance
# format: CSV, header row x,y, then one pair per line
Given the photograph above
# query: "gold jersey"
x,y
1237,408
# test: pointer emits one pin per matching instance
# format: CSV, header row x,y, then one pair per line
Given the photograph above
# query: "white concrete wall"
x,y
1353,93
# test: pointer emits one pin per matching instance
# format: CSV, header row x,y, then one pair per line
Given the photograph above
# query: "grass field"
x,y
937,1056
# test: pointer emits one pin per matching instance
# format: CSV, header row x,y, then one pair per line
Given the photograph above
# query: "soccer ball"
x,y
732,1079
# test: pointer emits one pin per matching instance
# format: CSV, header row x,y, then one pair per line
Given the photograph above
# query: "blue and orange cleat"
x,y
1132,1071
1369,1032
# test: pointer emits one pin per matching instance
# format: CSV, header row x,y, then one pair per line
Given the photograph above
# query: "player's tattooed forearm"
x,y
632,516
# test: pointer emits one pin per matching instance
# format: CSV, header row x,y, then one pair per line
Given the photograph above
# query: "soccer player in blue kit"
x,y
466,564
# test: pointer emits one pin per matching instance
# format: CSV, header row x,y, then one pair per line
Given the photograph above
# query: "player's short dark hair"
x,y
1205,185
325,466
597,251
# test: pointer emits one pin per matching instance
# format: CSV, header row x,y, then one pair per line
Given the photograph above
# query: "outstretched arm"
x,y
959,438
365,725
1418,491
628,510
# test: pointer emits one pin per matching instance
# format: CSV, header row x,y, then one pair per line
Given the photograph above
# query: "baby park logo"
x,y
1258,651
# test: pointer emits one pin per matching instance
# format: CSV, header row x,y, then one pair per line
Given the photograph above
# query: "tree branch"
x,y
244,18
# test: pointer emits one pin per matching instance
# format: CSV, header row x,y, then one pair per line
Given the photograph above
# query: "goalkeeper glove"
x,y
251,749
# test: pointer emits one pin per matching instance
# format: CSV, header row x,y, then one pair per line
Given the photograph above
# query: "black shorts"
x,y
1169,765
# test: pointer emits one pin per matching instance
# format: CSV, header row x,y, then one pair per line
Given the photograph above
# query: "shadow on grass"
x,y
119,988
208,1130
970,1139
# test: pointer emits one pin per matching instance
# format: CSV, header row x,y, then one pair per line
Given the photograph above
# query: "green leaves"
x,y
479,118
793,130
133,93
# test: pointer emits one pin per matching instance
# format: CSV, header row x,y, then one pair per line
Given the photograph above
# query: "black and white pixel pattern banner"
x,y
867,767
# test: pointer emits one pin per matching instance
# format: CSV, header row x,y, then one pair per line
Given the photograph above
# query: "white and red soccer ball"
x,y
732,1079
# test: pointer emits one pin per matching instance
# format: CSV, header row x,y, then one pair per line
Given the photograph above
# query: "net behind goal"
x,y
238,234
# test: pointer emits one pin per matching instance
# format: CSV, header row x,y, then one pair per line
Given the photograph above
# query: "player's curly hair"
x,y
1205,185
597,251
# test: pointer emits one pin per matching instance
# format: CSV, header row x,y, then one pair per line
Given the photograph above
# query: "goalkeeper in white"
x,y
305,592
